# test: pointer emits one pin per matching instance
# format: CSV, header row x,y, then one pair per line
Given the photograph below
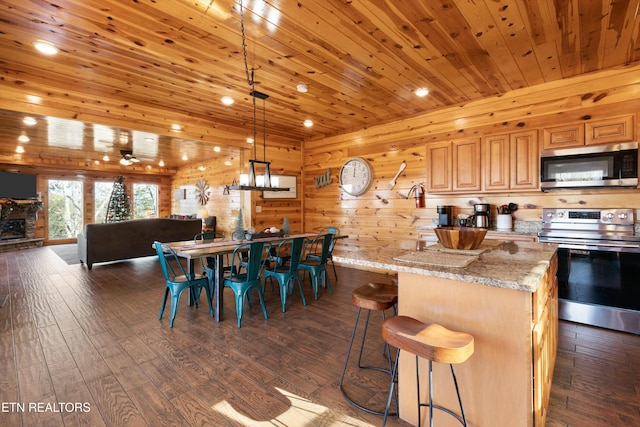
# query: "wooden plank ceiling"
x,y
144,65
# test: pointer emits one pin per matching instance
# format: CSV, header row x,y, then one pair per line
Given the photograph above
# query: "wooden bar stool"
x,y
434,343
372,296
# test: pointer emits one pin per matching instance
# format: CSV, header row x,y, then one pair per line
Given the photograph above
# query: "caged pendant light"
x,y
255,182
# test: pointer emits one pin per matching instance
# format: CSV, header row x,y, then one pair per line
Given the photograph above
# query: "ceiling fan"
x,y
128,158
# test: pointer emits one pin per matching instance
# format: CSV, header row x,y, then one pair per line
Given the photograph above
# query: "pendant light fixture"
x,y
255,182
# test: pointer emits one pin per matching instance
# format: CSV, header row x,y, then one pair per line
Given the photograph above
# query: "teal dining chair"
x,y
243,283
316,252
316,265
284,262
209,263
177,283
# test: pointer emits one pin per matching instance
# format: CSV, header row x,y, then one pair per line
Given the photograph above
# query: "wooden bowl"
x,y
460,237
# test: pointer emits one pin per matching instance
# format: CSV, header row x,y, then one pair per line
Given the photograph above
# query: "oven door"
x,y
600,288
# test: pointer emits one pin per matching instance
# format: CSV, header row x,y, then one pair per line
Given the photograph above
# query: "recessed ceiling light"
x,y
422,92
227,163
302,88
45,47
308,123
201,168
227,100
184,157
176,127
23,138
161,163
250,140
105,158
19,149
29,121
216,149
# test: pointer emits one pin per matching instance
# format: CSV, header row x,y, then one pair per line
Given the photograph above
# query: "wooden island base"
x,y
507,381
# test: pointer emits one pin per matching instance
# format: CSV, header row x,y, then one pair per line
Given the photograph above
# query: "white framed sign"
x,y
286,181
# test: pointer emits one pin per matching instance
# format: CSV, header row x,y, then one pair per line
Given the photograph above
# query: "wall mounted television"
x,y
18,186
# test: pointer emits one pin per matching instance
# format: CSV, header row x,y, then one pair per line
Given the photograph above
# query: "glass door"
x,y
65,208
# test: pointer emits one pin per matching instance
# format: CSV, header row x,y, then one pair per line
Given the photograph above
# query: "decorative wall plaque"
x,y
324,180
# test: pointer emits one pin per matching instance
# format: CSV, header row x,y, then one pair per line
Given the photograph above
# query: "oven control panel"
x,y
621,216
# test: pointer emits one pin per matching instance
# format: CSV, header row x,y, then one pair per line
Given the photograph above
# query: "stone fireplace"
x,y
18,227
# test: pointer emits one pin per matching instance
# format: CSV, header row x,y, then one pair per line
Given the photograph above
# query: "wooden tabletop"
x,y
197,249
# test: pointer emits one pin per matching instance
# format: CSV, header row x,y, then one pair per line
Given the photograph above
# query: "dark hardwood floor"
x,y
89,344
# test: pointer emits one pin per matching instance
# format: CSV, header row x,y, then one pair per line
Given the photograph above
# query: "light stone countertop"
x,y
511,265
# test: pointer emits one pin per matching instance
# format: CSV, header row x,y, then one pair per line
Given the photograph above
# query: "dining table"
x,y
193,250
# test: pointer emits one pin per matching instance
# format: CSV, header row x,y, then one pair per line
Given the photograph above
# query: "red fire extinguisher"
x,y
419,195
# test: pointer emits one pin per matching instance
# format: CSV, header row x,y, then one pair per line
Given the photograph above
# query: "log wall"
x,y
383,217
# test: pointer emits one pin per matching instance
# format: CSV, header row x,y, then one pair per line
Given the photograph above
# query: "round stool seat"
x,y
429,341
375,296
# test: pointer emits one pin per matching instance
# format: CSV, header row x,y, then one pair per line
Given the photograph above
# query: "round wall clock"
x,y
201,191
356,176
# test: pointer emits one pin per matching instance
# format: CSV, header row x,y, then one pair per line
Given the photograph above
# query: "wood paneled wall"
x,y
285,160
383,217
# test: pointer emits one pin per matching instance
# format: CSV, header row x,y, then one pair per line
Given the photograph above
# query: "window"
x,y
101,194
65,209
145,201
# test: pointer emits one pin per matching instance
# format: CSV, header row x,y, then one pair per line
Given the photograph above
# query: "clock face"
x,y
356,176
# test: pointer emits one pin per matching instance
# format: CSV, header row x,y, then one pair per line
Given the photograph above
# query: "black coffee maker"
x,y
445,216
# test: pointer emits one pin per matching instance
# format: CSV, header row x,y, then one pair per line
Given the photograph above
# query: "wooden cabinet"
x,y
605,131
565,136
511,161
545,342
524,160
439,162
453,166
496,162
615,129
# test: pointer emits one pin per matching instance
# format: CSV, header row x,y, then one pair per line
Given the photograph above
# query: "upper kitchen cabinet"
x,y
511,161
565,136
453,166
496,162
605,131
616,129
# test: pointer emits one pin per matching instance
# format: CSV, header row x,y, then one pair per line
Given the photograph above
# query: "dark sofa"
x,y
131,239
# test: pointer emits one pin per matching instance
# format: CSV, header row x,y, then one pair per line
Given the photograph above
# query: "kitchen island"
x,y
505,295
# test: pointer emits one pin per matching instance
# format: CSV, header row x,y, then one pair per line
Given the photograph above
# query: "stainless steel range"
x,y
599,265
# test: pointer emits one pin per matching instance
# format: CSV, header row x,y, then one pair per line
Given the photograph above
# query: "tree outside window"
x,y
145,200
101,195
64,209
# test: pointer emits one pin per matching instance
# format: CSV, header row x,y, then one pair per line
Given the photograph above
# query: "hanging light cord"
x,y
252,84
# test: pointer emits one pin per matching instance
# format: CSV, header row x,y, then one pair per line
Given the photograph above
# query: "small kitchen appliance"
x,y
481,215
445,216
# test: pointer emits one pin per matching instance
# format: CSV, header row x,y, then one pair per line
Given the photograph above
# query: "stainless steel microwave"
x,y
592,166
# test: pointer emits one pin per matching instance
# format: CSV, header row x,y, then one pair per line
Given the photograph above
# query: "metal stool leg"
x,y
462,420
375,368
455,381
391,387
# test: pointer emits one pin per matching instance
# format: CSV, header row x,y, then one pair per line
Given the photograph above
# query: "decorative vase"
x,y
285,226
